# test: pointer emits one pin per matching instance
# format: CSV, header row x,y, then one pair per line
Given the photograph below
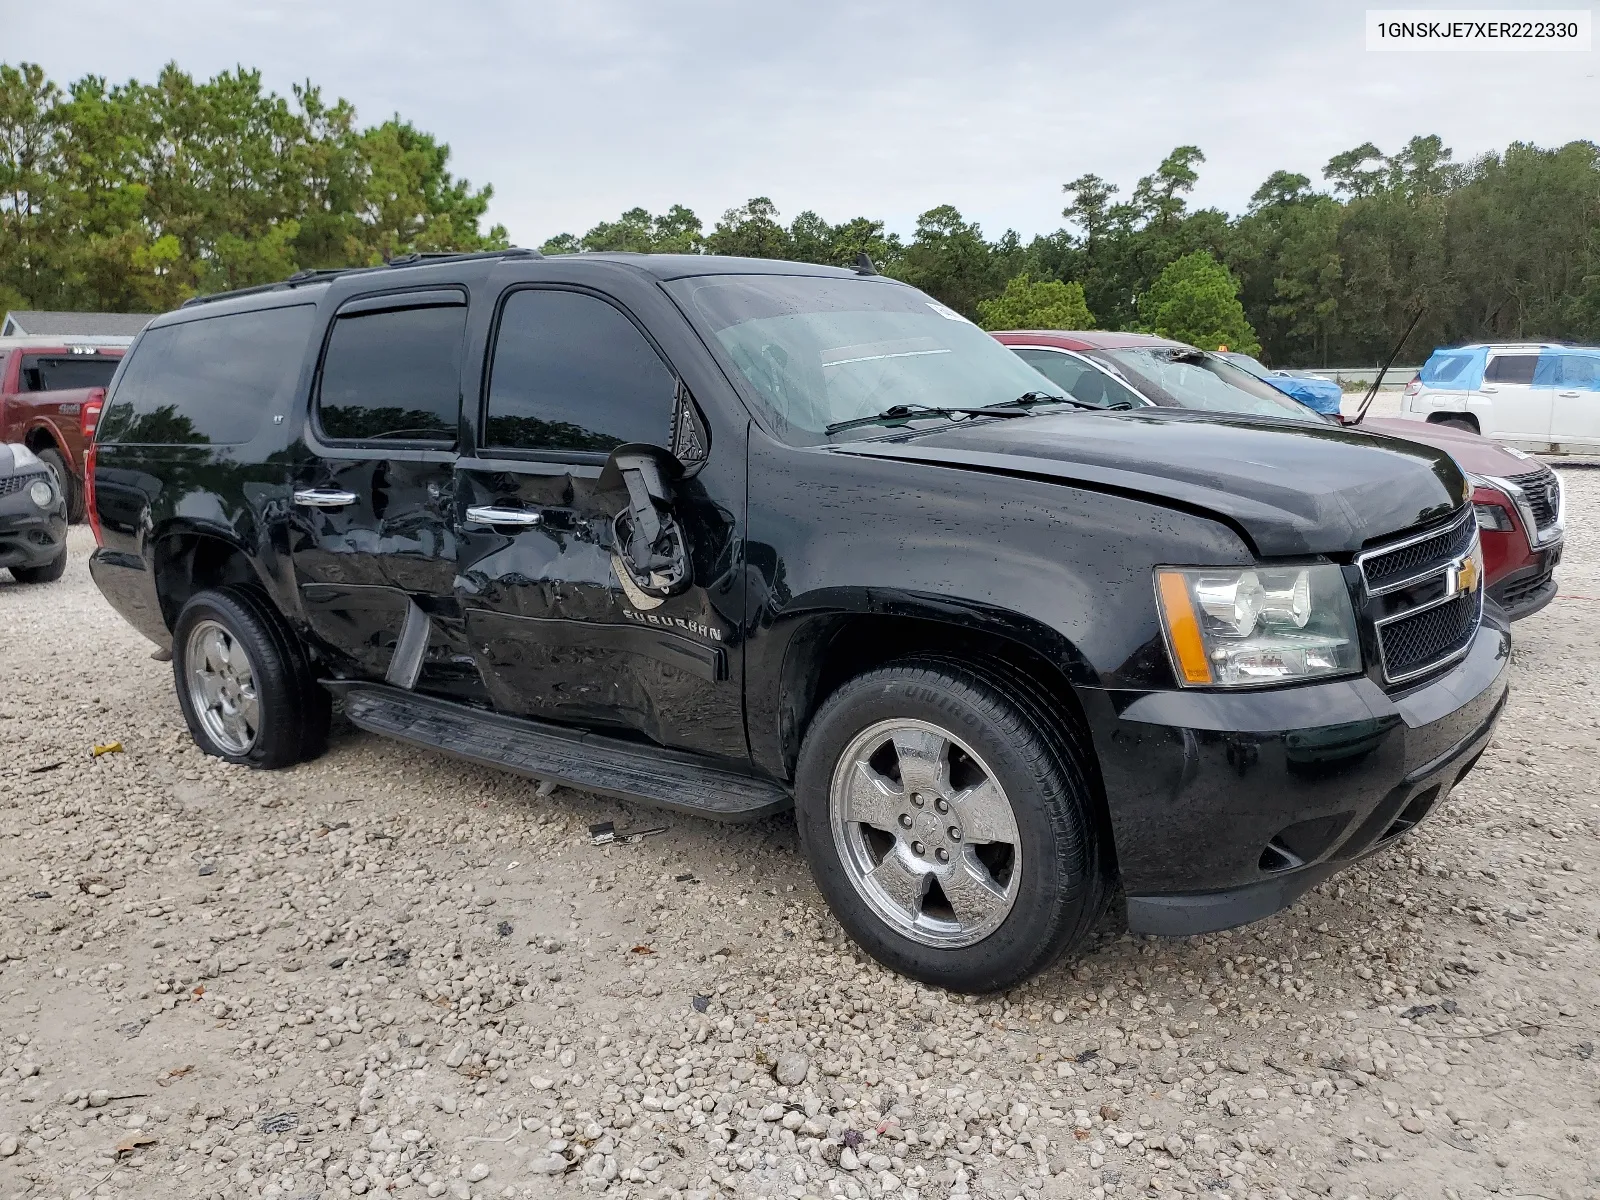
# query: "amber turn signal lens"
x,y
1183,629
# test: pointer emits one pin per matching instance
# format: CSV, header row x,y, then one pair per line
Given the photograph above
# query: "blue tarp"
x,y
1461,369
1455,369
1321,395
1569,367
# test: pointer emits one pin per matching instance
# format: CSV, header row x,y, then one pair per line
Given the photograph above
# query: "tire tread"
x,y
49,573
1060,778
295,710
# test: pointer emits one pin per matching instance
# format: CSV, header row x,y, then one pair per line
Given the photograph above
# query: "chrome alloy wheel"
x,y
926,833
222,687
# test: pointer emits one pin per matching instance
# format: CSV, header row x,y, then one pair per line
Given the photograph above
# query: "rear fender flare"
x,y
177,537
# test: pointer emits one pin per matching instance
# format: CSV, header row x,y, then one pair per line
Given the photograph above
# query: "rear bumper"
x,y
1226,808
129,586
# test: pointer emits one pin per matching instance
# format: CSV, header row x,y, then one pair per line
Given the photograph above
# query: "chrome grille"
x,y
1425,597
15,483
1413,643
1543,492
1388,568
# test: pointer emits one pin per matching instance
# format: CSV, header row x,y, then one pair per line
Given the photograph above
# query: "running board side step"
x,y
576,758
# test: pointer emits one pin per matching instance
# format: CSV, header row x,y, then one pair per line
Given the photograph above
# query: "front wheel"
x,y
49,573
949,826
71,489
244,683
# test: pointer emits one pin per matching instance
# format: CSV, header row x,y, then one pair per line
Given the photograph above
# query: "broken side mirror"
x,y
648,551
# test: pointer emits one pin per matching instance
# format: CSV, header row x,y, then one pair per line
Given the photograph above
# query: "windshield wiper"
x,y
1029,399
909,412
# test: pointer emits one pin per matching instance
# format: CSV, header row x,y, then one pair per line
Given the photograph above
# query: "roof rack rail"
x,y
244,291
324,274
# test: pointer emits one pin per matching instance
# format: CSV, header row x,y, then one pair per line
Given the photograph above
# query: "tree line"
x,y
133,197
1502,247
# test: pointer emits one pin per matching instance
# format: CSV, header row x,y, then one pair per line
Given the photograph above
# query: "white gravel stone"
x,y
791,1069
745,1048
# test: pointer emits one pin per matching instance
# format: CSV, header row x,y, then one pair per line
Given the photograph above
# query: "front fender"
x,y
1061,570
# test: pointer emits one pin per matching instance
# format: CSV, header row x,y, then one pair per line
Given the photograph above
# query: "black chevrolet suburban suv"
x,y
729,536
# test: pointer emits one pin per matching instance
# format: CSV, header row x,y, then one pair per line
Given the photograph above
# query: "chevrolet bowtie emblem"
x,y
1463,576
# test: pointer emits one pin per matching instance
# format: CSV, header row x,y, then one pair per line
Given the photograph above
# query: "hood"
x,y
1471,451
10,462
1289,488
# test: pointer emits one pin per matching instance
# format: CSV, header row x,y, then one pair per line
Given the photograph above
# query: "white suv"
x,y
1535,395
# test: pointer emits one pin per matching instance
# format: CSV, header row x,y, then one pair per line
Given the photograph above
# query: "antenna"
x,y
864,264
1366,401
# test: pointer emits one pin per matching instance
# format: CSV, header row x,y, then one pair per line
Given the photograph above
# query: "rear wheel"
x,y
49,573
66,481
949,826
1465,423
244,682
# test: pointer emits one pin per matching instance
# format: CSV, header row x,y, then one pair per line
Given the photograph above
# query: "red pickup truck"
x,y
51,393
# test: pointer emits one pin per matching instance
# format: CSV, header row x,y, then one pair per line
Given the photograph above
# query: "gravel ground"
x,y
384,971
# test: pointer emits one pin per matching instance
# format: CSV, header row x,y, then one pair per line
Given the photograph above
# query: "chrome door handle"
x,y
490,515
1572,392
324,498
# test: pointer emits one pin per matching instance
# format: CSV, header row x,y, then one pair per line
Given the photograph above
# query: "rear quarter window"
x,y
1450,368
210,381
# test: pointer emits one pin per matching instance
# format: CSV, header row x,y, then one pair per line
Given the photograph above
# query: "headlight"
x,y
1517,496
1493,517
1231,627
41,493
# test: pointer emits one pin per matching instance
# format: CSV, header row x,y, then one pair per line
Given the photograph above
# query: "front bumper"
x,y
1227,807
31,536
1526,590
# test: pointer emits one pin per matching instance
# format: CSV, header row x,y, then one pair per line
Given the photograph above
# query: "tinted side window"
x,y
208,381
1511,368
1078,379
570,372
394,374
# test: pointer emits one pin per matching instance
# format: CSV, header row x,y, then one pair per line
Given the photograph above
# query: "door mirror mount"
x,y
648,549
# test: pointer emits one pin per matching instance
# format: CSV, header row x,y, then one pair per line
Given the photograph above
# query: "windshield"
x,y
1083,381
821,350
1247,364
1186,378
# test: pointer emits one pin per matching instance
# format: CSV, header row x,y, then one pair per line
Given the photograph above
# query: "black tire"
x,y
1064,883
1464,423
49,573
67,482
294,711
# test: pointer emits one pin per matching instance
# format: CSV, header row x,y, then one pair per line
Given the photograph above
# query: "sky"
x,y
578,109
